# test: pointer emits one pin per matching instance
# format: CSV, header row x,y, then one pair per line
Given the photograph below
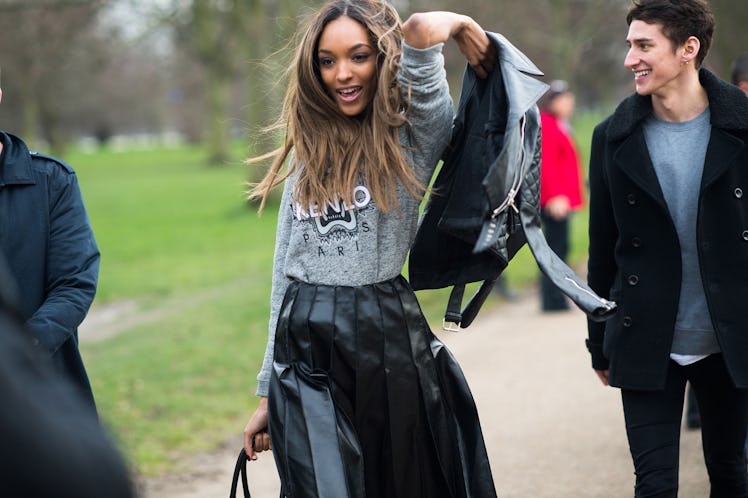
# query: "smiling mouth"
x,y
641,74
349,94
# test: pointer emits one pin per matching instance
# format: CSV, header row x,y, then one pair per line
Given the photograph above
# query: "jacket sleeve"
x,y
72,265
603,234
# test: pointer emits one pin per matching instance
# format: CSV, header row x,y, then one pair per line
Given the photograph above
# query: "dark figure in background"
x,y
52,443
560,182
669,243
47,239
502,288
739,73
693,419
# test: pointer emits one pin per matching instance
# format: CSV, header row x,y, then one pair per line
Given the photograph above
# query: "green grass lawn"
x,y
171,228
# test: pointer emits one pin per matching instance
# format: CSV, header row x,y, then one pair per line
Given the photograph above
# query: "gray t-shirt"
x,y
359,244
678,151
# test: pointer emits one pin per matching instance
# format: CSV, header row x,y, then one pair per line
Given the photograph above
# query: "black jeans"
x,y
653,422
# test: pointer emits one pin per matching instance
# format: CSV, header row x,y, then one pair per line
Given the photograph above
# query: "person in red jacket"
x,y
560,181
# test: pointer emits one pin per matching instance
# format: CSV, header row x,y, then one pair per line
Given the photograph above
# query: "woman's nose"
x,y
344,72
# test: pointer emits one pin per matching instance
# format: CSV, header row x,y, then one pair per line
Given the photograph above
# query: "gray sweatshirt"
x,y
678,151
359,244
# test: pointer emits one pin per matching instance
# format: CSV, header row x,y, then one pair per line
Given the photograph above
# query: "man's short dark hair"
x,y
680,19
740,69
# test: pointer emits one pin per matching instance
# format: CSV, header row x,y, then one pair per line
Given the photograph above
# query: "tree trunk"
x,y
218,123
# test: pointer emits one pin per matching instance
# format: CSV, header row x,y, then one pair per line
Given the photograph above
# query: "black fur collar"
x,y
728,108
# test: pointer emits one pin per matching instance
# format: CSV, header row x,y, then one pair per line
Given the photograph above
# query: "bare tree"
x,y
44,53
215,67
213,32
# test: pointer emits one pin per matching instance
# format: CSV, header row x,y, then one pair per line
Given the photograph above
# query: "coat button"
x,y
627,321
35,342
633,279
636,242
631,199
745,235
739,192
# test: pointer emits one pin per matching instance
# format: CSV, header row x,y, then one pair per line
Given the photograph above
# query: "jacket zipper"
x,y
517,180
606,304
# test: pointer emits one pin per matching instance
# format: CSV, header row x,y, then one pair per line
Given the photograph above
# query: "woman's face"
x,y
348,65
562,106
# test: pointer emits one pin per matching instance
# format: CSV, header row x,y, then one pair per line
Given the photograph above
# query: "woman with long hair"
x,y
358,397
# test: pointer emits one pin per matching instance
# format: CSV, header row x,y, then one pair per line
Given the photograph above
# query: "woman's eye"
x,y
360,57
325,61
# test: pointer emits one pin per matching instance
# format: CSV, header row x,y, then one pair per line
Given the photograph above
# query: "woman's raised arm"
x,y
426,29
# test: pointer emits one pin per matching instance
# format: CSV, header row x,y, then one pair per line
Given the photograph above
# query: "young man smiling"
x,y
669,243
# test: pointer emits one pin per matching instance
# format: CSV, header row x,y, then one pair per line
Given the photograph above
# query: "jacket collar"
x,y
519,74
727,104
16,165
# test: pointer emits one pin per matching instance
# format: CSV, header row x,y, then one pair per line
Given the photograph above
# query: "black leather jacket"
x,y
485,204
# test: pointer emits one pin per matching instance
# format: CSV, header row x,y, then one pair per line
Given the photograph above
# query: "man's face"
x,y
657,68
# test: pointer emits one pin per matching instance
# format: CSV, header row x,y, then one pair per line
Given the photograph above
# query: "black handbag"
x,y
240,469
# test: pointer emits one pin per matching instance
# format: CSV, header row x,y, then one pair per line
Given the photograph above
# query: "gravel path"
x,y
552,430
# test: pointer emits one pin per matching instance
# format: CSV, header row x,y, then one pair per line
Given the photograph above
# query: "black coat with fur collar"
x,y
634,253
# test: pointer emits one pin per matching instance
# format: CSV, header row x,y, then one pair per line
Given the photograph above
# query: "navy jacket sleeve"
x,y
72,265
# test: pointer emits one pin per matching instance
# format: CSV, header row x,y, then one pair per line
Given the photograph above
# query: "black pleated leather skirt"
x,y
366,402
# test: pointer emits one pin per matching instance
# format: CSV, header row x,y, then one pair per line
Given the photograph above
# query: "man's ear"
x,y
691,49
743,85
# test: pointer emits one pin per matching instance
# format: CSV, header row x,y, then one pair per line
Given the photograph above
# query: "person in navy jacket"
x,y
46,237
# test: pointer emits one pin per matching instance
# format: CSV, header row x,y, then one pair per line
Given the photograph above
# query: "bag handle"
x,y
456,317
240,469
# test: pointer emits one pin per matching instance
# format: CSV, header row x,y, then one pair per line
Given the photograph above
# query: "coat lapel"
x,y
720,153
632,158
520,79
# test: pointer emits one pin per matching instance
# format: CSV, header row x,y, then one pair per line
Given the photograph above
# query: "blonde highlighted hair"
x,y
333,152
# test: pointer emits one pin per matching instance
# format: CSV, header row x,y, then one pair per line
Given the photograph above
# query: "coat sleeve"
x,y
603,234
72,265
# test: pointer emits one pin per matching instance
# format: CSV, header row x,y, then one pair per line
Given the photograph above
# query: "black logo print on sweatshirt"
x,y
338,220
